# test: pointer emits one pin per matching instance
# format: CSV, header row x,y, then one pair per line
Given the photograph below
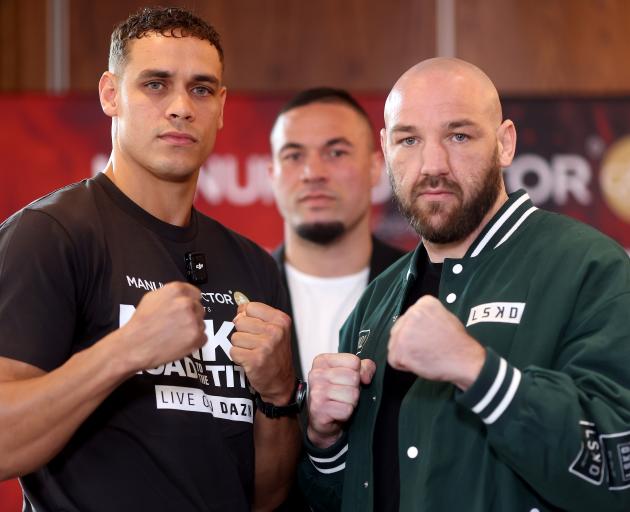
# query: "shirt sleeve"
x,y
566,429
37,283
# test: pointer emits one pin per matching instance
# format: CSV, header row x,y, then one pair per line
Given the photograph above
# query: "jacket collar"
x,y
501,227
504,224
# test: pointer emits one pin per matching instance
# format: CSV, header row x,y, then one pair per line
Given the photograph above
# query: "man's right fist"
x,y
166,326
333,385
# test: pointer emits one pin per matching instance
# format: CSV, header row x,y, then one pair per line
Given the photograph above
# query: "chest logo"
x,y
363,337
501,312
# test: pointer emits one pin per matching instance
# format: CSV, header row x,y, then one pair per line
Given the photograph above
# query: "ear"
x,y
376,167
274,173
271,174
108,93
506,141
222,96
383,135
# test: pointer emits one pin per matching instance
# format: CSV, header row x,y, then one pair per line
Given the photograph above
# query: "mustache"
x,y
430,183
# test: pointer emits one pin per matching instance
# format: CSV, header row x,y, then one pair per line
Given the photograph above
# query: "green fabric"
x,y
559,421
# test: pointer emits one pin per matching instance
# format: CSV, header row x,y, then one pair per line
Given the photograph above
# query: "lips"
x,y
178,138
434,192
434,187
315,196
316,200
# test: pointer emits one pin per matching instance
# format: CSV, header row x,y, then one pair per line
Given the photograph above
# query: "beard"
x,y
461,221
321,233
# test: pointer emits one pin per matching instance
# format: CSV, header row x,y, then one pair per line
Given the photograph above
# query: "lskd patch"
x,y
603,457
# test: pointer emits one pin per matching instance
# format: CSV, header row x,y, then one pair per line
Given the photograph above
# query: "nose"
x,y
434,159
314,169
180,106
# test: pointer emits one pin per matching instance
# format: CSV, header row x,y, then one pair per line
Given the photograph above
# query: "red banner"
x,y
573,157
55,141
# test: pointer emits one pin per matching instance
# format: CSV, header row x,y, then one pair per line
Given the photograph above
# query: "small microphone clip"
x,y
196,272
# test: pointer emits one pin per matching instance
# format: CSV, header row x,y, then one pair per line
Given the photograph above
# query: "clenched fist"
x,y
431,342
333,384
261,346
167,325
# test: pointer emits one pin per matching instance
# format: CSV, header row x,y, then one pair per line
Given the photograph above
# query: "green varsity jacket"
x,y
546,426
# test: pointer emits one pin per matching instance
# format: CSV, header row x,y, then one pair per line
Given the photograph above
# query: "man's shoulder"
x,y
70,207
278,255
386,281
555,232
63,198
383,255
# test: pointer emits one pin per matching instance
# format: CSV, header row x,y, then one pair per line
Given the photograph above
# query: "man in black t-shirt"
x,y
122,387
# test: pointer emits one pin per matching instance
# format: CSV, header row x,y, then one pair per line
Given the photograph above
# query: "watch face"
x,y
300,394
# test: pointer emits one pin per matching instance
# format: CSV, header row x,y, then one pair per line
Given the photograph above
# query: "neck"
x,y
168,201
439,252
349,254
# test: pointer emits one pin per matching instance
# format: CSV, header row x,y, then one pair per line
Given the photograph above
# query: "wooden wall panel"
x,y
527,46
358,44
22,45
283,45
548,46
91,24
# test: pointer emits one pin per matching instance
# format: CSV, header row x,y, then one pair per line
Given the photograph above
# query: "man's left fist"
x,y
261,345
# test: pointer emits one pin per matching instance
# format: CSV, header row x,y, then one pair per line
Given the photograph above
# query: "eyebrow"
x,y
327,144
460,123
407,128
290,145
451,125
338,140
160,73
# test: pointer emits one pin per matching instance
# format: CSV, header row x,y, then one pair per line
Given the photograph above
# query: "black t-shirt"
x,y
73,267
395,386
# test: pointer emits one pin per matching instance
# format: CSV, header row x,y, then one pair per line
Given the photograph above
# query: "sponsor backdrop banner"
x,y
573,157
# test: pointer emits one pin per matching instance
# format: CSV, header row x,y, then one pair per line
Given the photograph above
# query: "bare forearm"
x,y
278,443
40,413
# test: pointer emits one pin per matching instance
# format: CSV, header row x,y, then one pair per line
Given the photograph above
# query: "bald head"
x,y
442,80
445,144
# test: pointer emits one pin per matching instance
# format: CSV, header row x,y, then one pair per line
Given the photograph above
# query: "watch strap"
x,y
278,411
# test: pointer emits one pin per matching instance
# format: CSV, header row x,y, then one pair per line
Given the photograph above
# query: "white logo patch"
x,y
363,337
503,312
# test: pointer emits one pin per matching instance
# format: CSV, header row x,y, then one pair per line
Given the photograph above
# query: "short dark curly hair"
x,y
166,21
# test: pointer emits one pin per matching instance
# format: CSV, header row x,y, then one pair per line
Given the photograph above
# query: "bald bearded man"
x,y
487,370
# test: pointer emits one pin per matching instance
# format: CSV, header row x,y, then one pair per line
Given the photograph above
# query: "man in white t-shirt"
x,y
325,164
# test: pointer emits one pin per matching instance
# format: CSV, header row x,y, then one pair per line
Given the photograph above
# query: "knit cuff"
x,y
331,459
493,391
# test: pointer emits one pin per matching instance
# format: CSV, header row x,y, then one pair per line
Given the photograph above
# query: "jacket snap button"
x,y
450,298
365,484
457,269
412,452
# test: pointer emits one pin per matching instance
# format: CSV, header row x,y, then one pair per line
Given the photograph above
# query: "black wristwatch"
x,y
279,411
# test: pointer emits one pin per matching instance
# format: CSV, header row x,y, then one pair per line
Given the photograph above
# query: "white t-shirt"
x,y
320,307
